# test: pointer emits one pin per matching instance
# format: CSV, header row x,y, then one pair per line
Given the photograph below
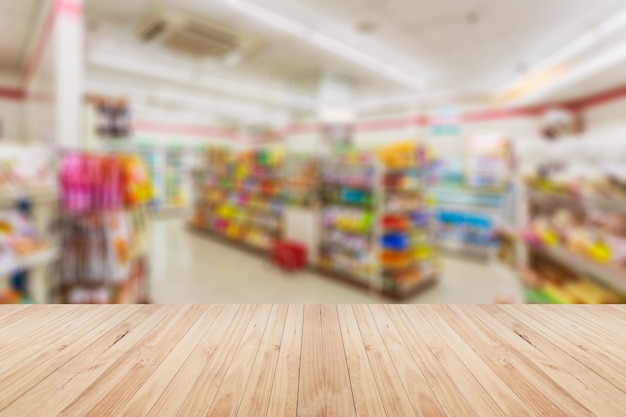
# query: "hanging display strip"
x,y
103,229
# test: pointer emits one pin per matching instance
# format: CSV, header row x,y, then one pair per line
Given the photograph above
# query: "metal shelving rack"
x,y
223,178
376,280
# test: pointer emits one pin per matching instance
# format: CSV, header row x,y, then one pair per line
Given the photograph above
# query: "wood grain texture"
x,y
313,360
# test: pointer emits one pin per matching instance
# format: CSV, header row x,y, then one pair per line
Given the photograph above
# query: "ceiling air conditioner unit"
x,y
182,32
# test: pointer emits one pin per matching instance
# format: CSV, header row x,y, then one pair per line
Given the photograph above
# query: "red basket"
x,y
289,255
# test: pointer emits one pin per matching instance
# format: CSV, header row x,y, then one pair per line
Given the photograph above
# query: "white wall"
x,y
11,120
54,75
607,120
40,89
11,108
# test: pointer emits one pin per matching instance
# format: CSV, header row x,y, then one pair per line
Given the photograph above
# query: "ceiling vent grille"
x,y
181,32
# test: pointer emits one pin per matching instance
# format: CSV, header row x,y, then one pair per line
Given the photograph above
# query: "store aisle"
x,y
189,268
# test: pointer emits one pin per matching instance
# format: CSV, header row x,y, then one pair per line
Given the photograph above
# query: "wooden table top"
x,y
295,360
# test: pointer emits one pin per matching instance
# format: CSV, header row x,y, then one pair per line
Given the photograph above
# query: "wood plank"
x,y
615,314
533,386
606,372
392,392
566,371
367,400
600,350
21,377
314,361
602,324
458,391
502,394
256,396
228,397
59,389
124,377
311,401
11,313
34,323
29,347
227,328
337,390
284,396
618,310
405,335
205,390
144,399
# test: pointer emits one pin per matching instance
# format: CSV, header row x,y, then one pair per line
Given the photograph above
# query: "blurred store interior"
x,y
313,151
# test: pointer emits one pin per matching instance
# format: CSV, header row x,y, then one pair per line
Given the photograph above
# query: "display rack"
x,y
350,194
576,240
238,196
407,253
300,180
377,228
103,229
476,200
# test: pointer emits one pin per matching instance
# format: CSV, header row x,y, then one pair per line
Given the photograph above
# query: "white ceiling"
x,y
469,47
16,21
462,49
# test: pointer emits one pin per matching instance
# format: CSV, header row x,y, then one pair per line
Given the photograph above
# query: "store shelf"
x,y
8,197
206,231
410,290
603,274
28,262
614,205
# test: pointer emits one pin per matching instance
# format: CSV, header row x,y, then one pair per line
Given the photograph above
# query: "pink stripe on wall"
x,y
11,93
69,8
499,114
185,130
598,99
40,45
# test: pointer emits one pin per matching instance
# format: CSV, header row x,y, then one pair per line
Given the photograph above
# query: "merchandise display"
x,y
239,196
407,243
153,160
104,257
576,236
113,120
349,193
25,170
21,247
377,228
300,180
103,228
474,234
476,199
174,177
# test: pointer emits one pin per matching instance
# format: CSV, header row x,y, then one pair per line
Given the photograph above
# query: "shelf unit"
x,y
34,260
585,275
238,198
349,196
360,200
406,213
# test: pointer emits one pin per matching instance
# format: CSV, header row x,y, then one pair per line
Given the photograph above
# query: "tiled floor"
x,y
190,268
